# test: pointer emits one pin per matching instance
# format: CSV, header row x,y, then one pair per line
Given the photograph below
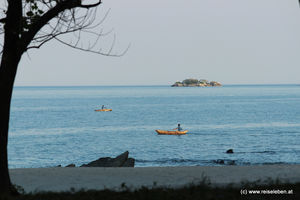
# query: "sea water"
x,y
58,125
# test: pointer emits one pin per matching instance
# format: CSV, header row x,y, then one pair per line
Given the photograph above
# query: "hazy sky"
x,y
231,41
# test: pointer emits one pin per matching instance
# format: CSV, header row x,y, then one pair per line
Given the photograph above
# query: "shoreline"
x,y
99,178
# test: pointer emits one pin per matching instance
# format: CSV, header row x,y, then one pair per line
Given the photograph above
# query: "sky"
x,y
230,41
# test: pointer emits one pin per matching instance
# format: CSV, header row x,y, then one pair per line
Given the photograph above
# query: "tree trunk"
x,y
8,71
11,56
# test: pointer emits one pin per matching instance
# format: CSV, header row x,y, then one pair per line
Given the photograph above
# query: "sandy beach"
x,y
62,179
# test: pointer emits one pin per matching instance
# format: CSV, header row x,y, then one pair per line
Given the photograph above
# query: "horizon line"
x,y
132,85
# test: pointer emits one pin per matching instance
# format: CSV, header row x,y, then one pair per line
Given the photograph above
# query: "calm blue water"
x,y
58,125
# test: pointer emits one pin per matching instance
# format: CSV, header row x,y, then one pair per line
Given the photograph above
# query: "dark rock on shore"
x,y
120,161
71,165
129,162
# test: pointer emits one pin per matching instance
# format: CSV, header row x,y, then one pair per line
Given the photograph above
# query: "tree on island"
x,y
29,24
192,82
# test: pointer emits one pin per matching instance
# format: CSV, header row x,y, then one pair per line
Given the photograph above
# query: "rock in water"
x,y
120,161
219,161
231,162
229,151
224,162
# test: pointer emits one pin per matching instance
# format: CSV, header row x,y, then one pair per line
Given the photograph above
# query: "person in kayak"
x,y
178,128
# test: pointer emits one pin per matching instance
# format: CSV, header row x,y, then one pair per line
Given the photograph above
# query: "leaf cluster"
x,y
32,13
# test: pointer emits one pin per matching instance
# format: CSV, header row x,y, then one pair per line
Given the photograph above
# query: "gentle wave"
x,y
261,152
247,125
191,162
171,161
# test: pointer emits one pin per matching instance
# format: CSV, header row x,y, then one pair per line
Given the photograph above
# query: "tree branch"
x,y
91,5
93,51
60,7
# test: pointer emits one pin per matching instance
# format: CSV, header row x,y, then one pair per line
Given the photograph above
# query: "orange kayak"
x,y
104,110
162,132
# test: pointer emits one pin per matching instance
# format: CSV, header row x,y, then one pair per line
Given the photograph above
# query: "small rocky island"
x,y
196,83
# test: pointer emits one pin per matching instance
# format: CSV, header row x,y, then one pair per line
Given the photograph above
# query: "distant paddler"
x,y
103,109
178,128
176,131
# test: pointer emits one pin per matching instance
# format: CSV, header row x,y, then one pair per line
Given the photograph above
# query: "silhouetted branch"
x,y
91,5
45,20
94,51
